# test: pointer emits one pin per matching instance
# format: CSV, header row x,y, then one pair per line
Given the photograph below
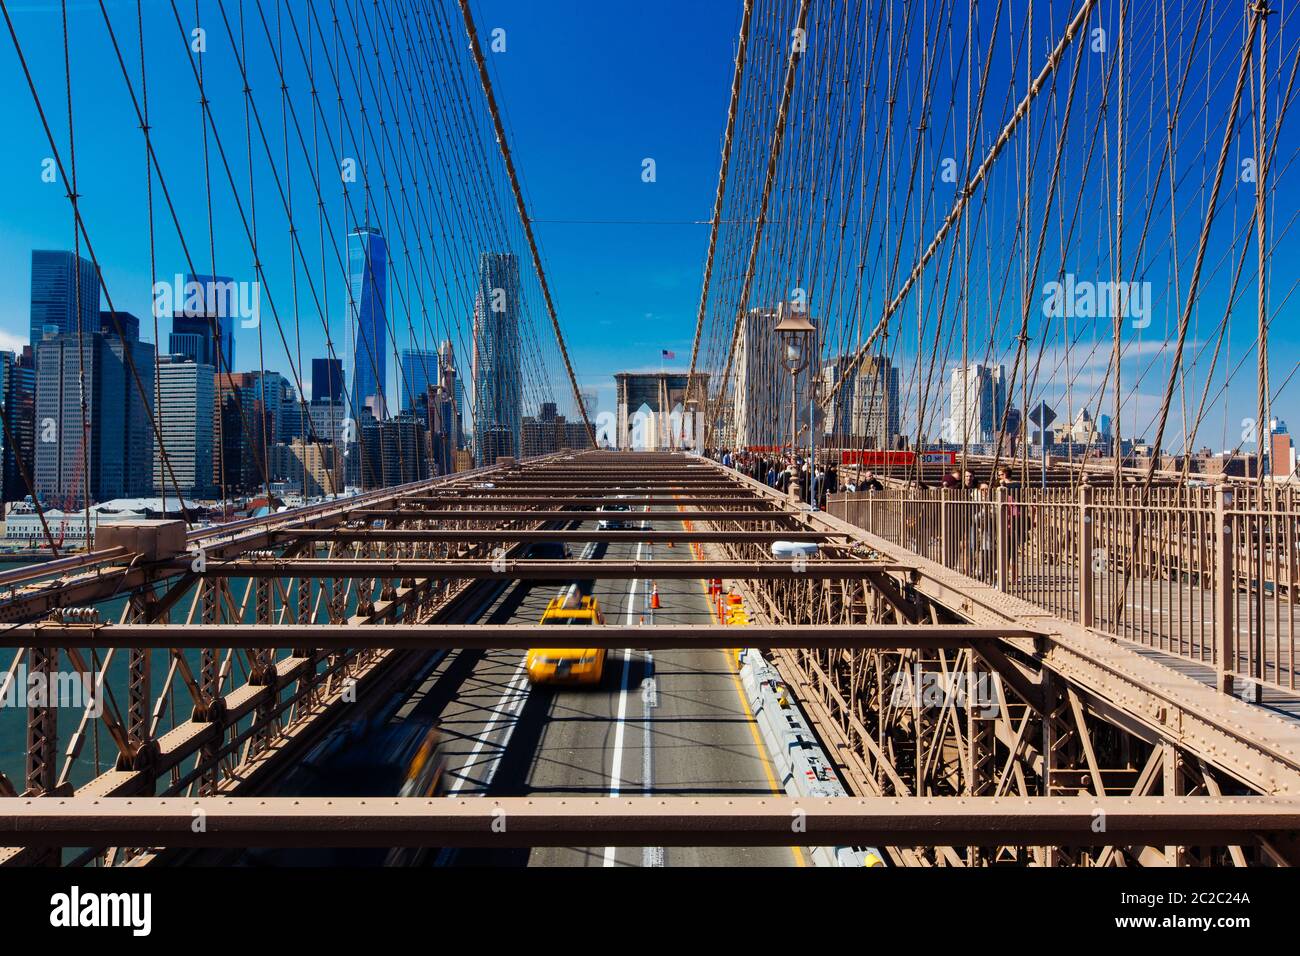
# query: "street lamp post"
x,y
796,335
814,393
692,411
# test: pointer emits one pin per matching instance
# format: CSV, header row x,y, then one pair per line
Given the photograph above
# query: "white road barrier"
x,y
799,759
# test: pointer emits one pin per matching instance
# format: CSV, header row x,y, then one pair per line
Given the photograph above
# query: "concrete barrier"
x,y
800,761
155,540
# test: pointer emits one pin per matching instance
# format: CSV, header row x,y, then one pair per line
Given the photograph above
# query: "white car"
x,y
607,523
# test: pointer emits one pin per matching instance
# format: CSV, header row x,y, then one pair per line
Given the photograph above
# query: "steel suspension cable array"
x,y
430,177
472,32
715,220
1109,142
378,29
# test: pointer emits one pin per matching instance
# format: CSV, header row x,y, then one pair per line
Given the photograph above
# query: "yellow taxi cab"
x,y
424,772
568,665
425,765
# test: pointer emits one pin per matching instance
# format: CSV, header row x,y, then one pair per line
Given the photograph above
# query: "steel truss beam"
x,y
644,821
416,535
106,573
479,513
1071,714
532,570
1126,700
510,636
581,496
1142,696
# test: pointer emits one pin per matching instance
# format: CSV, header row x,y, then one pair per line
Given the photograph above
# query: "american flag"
x,y
669,355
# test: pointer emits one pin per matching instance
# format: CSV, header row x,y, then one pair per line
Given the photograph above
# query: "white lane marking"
x,y
615,778
615,773
514,708
501,708
447,854
650,855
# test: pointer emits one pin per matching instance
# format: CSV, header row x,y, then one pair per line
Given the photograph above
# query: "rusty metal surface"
x,y
534,570
481,513
555,535
1076,720
482,636
640,821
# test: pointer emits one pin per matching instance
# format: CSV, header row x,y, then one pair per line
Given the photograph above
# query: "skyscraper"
x,y
273,393
113,323
18,396
249,408
978,400
761,404
326,381
450,381
497,396
132,407
875,400
108,457
315,467
436,405
294,416
462,419
186,395
326,422
63,287
392,452
203,329
367,298
419,372
866,408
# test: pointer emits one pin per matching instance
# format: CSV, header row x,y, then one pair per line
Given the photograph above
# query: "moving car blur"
x,y
568,665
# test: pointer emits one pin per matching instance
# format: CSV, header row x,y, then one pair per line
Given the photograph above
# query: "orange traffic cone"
x,y
654,597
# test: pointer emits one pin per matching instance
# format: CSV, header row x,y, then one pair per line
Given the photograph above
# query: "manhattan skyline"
x,y
625,252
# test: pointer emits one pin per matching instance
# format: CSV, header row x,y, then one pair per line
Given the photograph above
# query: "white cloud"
x,y
9,342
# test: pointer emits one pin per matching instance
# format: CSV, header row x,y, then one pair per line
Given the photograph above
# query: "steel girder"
x,y
488,535
1068,714
644,821
228,759
480,514
1055,731
526,570
421,636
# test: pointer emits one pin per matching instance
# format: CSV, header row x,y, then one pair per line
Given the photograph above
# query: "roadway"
x,y
667,723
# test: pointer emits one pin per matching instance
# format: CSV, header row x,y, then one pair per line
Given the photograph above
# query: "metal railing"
x,y
1207,574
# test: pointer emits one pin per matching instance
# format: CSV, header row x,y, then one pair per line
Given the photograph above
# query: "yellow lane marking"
x,y
752,722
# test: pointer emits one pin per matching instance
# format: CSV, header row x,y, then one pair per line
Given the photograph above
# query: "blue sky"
x,y
589,90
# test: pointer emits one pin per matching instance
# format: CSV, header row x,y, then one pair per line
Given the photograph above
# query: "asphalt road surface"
x,y
669,723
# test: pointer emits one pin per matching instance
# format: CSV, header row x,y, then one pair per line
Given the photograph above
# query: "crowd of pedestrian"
x,y
972,528
780,470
